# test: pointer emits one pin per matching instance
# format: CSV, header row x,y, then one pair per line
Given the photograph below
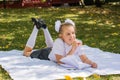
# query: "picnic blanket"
x,y
20,67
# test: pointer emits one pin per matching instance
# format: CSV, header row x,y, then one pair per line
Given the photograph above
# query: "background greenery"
x,y
96,27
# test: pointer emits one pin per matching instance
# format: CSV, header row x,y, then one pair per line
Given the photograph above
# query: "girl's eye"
x,y
73,33
68,34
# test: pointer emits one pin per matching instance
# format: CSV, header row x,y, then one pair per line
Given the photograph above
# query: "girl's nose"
x,y
72,36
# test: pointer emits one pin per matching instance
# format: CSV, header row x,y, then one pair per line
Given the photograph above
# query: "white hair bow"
x,y
69,21
58,24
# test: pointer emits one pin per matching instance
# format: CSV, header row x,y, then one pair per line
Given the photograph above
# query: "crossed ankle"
x,y
39,23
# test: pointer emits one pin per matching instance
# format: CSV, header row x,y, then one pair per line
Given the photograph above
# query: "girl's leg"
x,y
31,42
48,38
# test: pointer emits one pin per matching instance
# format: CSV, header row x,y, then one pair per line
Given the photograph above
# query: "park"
x,y
97,27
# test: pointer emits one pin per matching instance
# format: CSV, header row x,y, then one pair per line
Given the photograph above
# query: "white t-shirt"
x,y
61,48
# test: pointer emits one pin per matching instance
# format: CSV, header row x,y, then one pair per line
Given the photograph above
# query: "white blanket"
x,y
24,68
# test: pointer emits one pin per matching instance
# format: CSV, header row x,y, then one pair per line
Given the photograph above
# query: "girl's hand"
x,y
76,43
94,65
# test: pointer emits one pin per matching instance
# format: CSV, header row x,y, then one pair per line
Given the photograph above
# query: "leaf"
x,y
67,77
96,76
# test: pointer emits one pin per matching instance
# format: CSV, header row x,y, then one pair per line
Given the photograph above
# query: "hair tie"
x,y
57,25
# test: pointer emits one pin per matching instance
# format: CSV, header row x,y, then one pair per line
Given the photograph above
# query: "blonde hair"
x,y
65,25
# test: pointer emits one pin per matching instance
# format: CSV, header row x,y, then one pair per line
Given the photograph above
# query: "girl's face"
x,y
68,34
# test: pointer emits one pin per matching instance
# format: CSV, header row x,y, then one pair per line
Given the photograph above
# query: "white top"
x,y
61,48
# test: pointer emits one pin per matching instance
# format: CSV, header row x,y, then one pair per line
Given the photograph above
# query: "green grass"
x,y
97,27
4,75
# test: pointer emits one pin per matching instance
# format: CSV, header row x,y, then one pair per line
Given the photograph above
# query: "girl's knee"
x,y
27,51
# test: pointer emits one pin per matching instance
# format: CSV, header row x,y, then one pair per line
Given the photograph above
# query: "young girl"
x,y
64,46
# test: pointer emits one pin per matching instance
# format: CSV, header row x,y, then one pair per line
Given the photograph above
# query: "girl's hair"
x,y
65,25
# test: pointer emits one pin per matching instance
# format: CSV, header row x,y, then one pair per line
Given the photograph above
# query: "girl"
x,y
64,46
67,44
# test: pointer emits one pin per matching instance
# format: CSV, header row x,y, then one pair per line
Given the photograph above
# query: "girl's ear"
x,y
60,35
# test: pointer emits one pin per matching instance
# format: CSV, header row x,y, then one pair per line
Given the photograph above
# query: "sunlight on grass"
x,y
69,15
89,22
115,34
7,36
16,18
81,12
118,25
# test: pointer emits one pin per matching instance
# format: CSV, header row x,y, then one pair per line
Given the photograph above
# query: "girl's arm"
x,y
58,57
75,44
84,59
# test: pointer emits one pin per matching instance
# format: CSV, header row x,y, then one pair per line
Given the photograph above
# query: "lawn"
x,y
96,27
